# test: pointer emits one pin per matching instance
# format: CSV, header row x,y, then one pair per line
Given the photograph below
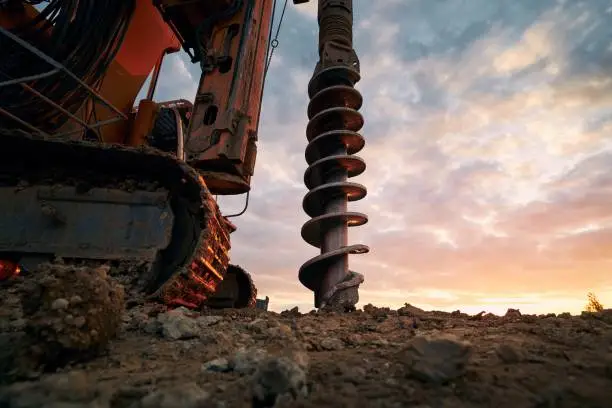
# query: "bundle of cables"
x,y
83,35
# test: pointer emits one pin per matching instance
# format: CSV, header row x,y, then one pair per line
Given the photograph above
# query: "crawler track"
x,y
236,291
189,269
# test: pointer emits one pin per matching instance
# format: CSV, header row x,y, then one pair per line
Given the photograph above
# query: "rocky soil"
x,y
374,357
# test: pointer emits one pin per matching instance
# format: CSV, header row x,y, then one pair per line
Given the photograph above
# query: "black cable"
x,y
274,43
85,38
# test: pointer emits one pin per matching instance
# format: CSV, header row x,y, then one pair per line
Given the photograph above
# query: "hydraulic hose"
x,y
83,35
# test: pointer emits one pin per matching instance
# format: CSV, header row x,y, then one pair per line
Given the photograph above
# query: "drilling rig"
x,y
92,176
333,139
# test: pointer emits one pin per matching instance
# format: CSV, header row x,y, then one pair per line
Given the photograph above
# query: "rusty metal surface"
x,y
332,133
231,46
100,223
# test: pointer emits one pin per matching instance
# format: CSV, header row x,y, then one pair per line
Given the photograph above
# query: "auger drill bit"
x,y
332,136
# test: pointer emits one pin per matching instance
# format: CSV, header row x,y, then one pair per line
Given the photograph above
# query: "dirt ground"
x,y
374,357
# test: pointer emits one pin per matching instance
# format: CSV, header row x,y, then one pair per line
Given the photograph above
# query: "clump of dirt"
x,y
374,357
70,312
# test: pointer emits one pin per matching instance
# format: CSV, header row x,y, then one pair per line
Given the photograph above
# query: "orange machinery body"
x,y
229,40
233,37
222,135
147,39
221,138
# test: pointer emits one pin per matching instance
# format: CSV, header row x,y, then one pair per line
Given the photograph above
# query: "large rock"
x,y
436,360
182,324
71,312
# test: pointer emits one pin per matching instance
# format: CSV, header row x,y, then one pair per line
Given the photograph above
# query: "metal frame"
x,y
180,137
57,68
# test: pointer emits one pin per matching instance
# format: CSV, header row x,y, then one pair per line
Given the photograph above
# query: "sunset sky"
x,y
488,144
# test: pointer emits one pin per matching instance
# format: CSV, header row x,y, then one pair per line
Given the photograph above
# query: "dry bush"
x,y
593,305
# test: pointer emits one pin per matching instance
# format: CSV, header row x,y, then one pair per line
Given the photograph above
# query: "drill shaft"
x,y
334,121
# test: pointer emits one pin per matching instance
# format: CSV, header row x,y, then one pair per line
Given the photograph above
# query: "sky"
x,y
488,153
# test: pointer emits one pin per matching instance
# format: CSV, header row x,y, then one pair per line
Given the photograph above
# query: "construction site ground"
x,y
374,357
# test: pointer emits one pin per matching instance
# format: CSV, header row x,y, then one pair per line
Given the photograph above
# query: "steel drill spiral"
x,y
333,139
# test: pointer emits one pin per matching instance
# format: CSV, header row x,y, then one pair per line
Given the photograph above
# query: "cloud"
x,y
487,146
182,84
177,80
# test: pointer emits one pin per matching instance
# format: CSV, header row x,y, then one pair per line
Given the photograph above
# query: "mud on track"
x,y
370,358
